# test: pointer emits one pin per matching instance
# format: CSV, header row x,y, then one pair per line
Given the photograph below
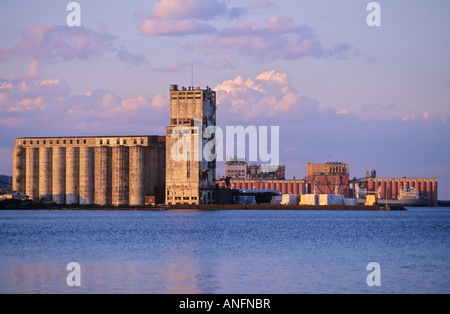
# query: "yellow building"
x,y
330,168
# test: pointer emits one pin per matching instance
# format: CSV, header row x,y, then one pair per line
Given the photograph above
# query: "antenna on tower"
x,y
192,77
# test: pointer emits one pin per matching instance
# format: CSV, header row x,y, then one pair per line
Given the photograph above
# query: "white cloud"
x,y
269,95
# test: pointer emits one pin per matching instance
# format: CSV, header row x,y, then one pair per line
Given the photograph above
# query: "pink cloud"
x,y
21,97
160,101
277,38
341,112
141,102
172,67
157,27
46,108
180,17
188,9
238,12
50,43
29,104
33,70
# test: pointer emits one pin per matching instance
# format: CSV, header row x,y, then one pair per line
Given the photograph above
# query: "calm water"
x,y
241,252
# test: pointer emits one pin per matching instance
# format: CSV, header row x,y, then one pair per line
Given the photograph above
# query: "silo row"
x,y
82,175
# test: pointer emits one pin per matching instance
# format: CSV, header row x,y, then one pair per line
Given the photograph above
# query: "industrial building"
x,y
236,168
103,171
123,170
239,169
334,179
296,187
191,180
266,172
140,170
329,168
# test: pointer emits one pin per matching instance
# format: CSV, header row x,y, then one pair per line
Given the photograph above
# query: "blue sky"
x,y
375,97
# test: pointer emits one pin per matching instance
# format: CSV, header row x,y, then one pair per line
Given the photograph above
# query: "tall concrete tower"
x,y
190,177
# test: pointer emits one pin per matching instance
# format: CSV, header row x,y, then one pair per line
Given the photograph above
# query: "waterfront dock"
x,y
30,205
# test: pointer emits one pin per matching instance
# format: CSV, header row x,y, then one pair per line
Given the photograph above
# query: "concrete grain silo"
x,y
87,175
32,173
19,169
72,175
120,175
105,171
137,175
45,173
59,175
103,175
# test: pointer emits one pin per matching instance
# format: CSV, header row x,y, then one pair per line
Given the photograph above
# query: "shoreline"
x,y
51,206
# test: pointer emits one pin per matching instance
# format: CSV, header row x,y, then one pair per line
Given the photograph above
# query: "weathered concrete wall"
x,y
90,170
72,175
120,176
59,175
19,169
87,175
45,173
103,175
192,180
32,173
137,175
